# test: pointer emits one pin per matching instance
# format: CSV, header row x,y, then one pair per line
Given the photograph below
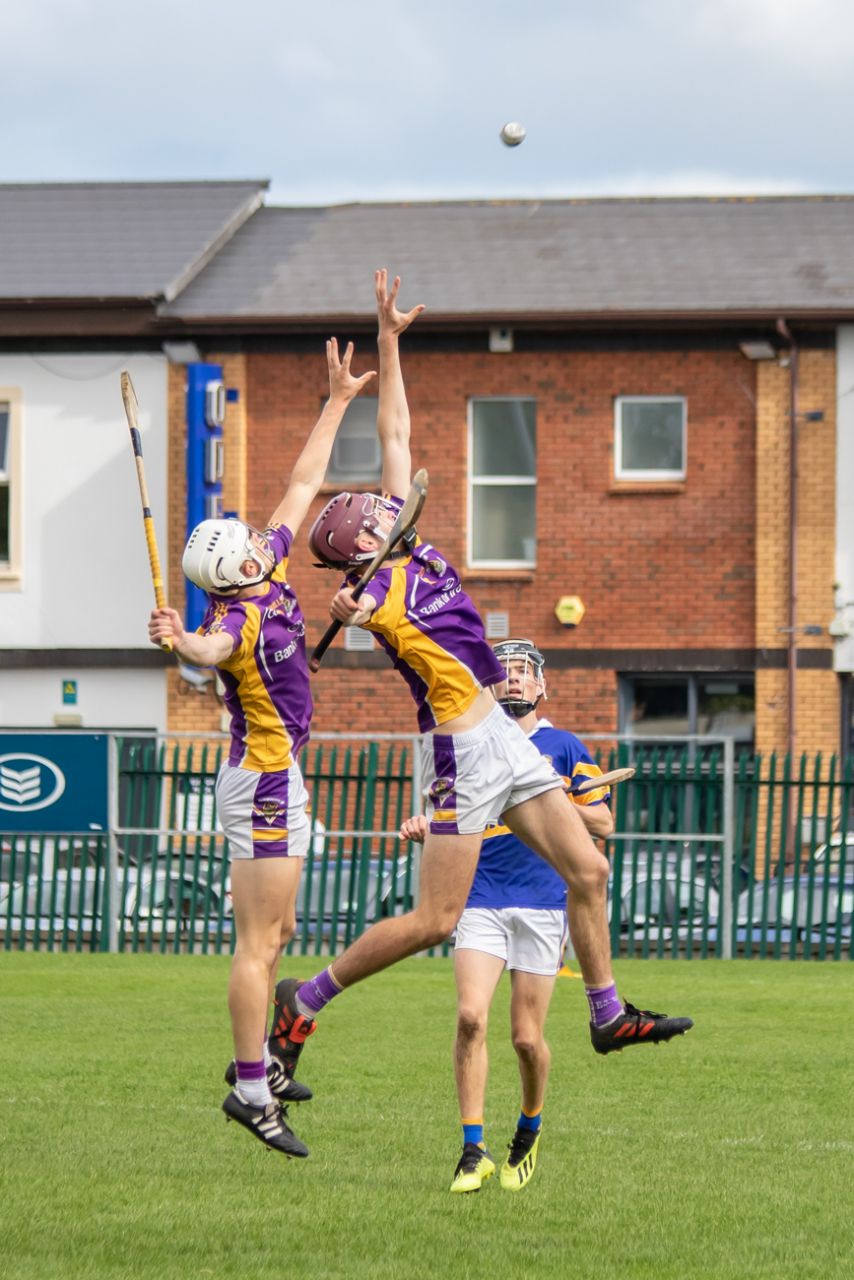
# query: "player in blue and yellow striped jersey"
x,y
253,633
477,762
514,919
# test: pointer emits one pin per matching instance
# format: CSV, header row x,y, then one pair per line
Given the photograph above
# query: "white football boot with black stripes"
x,y
518,1168
266,1122
282,1086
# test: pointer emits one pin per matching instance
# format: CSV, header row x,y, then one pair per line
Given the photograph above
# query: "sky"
x,y
375,100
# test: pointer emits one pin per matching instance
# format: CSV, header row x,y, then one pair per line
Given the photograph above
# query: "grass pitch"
x,y
725,1154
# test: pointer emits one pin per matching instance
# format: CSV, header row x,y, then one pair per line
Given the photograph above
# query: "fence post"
x,y
728,858
114,906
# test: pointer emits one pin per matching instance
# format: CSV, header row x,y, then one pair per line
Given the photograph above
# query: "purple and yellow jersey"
x,y
266,676
433,634
508,873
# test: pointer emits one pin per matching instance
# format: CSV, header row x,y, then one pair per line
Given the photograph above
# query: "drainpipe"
x,y
783,330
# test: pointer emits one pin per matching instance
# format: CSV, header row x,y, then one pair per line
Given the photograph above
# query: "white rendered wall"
x,y
844,648
106,699
85,580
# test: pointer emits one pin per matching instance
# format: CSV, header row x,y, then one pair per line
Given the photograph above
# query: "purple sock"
x,y
251,1070
605,1004
315,994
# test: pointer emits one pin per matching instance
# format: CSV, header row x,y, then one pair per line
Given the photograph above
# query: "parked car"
x,y
666,888
348,891
72,901
832,850
798,903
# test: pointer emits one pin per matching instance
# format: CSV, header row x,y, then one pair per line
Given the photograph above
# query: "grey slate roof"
x,y
556,258
115,239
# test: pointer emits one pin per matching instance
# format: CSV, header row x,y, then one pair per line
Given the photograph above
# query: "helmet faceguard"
x,y
527,664
216,552
333,538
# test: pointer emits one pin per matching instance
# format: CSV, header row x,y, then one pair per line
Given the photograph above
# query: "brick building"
x,y
605,389
611,397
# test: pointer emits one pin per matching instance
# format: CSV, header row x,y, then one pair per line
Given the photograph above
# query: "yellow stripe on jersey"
x,y
265,833
280,573
444,815
451,687
583,769
496,831
267,746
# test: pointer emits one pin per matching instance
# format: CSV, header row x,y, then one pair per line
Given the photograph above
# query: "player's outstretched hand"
x,y
392,321
165,624
344,385
414,828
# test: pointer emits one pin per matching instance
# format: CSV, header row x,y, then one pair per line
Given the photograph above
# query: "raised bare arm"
x,y
393,422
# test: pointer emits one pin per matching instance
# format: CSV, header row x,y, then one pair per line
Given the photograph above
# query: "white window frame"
x,y
621,473
10,570
491,481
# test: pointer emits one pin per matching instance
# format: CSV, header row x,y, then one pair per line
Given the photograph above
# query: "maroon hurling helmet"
x,y
332,537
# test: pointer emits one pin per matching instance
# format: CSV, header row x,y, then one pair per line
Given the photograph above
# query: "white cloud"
x,y
810,37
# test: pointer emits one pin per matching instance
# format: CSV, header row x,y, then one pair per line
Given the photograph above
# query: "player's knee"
x,y
262,951
471,1024
590,880
529,1046
289,928
434,925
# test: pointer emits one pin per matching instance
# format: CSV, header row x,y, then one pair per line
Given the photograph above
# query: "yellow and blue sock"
x,y
530,1119
473,1132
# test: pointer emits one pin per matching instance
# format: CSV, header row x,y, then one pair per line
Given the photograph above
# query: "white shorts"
x,y
471,778
264,815
525,938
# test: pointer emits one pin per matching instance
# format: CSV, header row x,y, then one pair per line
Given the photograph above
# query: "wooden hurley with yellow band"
x,y
131,406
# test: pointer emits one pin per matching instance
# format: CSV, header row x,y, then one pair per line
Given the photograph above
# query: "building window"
x,y
356,457
10,485
720,706
502,483
650,438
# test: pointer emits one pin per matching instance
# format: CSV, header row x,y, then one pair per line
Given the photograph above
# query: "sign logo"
x,y
29,782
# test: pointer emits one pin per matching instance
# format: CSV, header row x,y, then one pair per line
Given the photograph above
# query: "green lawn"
x,y
726,1154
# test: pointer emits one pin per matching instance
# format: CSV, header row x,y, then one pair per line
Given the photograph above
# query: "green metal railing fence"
x,y
715,853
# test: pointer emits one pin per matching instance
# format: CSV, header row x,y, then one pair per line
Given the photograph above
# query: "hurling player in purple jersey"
x,y
515,919
477,761
253,633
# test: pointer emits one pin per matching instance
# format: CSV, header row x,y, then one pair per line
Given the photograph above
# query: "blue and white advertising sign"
x,y
53,782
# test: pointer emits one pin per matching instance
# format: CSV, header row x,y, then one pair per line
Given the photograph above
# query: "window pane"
x,y
504,522
4,523
727,707
356,452
651,435
660,706
4,439
504,438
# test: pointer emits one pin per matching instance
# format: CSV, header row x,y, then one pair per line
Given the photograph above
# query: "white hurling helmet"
x,y
215,552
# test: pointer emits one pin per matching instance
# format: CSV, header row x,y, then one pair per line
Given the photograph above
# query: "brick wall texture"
x,y
699,565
